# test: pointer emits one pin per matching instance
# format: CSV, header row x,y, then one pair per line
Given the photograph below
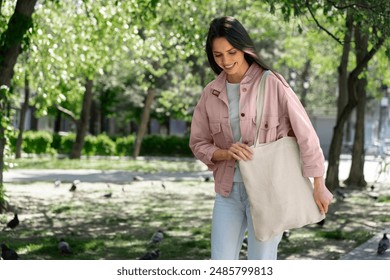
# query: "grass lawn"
x,y
120,227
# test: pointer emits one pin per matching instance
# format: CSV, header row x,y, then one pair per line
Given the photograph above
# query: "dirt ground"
x,y
44,210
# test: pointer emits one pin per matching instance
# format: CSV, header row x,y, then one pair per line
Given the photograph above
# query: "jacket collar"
x,y
218,87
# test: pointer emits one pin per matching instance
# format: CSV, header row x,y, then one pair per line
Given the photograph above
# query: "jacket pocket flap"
x,y
269,123
215,128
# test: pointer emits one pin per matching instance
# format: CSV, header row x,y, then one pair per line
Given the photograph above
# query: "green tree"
x,y
13,35
370,19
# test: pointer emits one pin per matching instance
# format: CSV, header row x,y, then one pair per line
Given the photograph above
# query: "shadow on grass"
x,y
120,227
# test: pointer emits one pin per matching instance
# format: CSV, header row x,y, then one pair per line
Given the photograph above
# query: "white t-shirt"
x,y
233,94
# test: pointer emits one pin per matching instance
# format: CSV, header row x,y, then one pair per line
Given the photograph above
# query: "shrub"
x,y
37,142
104,145
67,143
125,145
89,147
43,142
160,145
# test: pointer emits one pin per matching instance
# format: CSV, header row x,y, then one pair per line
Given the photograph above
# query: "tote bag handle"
x,y
259,104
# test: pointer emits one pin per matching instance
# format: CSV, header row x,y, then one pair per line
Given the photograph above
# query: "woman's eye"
x,y
232,53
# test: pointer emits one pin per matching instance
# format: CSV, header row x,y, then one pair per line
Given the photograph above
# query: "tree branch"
x,y
68,113
320,26
353,5
363,63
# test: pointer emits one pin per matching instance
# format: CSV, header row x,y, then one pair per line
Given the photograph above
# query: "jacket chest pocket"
x,y
217,132
269,128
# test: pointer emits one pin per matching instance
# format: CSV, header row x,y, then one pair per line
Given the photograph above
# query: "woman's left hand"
x,y
322,196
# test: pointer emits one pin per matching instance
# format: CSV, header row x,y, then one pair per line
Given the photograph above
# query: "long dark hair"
x,y
231,29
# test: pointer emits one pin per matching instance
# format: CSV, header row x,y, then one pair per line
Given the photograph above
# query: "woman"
x,y
223,128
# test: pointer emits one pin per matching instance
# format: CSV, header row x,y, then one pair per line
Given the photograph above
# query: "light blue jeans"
x,y
231,220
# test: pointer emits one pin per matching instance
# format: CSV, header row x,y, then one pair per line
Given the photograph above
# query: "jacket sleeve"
x,y
309,144
201,141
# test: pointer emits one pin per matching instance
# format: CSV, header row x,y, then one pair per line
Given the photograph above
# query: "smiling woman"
x,y
230,59
223,130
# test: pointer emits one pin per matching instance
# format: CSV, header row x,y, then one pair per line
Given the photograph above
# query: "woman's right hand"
x,y
240,151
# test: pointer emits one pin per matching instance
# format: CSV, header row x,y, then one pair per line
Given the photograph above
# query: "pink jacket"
x,y
283,115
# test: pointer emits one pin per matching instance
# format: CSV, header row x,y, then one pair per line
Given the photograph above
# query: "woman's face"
x,y
230,59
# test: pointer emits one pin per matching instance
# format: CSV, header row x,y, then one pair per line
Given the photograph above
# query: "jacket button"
x,y
266,125
242,114
246,142
244,89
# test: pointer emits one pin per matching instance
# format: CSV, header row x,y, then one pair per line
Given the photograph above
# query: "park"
x,y
101,96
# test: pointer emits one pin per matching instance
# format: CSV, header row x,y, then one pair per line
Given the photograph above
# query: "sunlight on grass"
x,y
125,164
384,198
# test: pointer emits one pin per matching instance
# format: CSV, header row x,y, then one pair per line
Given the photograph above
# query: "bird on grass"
x,y
108,195
383,245
73,187
207,178
340,194
8,253
13,223
138,178
286,235
57,183
157,237
152,255
64,247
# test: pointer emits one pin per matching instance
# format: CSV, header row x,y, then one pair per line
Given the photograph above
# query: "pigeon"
x,y
64,247
57,183
157,237
286,235
340,194
13,223
8,253
163,186
383,245
108,195
73,187
152,255
138,178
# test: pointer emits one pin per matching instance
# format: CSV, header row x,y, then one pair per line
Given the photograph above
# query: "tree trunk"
x,y
82,123
356,175
144,121
93,121
10,48
23,111
332,175
304,79
57,122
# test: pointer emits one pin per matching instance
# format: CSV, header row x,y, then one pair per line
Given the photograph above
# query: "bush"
x,y
43,142
160,145
37,142
104,145
67,143
125,145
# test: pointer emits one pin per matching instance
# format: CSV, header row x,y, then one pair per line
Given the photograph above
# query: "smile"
x,y
229,66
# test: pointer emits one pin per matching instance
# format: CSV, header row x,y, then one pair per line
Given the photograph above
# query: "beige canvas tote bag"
x,y
280,197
